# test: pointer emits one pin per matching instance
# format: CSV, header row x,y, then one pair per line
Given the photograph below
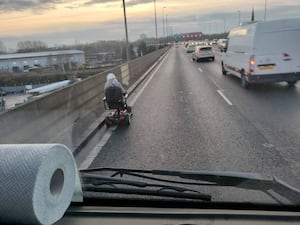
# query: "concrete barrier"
x,y
64,115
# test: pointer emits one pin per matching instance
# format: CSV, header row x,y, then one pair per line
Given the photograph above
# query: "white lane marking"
x,y
93,154
212,80
215,83
224,97
268,145
132,102
96,150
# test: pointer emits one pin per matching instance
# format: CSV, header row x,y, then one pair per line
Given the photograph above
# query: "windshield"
x,y
113,82
205,48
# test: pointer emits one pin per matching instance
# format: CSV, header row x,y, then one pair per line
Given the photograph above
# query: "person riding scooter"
x,y
115,100
115,93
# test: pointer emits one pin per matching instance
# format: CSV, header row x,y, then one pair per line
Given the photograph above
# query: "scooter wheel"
x,y
108,123
129,109
127,121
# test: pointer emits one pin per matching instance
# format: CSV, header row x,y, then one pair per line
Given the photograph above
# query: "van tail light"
x,y
198,52
252,64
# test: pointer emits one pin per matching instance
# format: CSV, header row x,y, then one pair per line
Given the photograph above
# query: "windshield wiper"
x,y
250,181
97,183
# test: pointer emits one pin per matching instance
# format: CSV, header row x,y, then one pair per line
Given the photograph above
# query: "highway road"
x,y
189,116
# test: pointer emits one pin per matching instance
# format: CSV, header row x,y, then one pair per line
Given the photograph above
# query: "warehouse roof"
x,y
39,54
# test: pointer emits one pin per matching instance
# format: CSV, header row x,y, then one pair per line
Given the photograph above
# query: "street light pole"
x,y
126,32
216,26
167,28
265,9
155,22
163,21
239,12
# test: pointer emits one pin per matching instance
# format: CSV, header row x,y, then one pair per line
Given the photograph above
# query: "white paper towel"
x,y
37,183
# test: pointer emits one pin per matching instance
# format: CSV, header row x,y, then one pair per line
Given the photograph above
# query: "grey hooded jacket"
x,y
111,81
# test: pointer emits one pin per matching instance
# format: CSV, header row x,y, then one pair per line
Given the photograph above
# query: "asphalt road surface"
x,y
189,116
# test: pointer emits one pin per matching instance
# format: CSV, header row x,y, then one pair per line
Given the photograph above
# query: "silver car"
x,y
190,48
203,52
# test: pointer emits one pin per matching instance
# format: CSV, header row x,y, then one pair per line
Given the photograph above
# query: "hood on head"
x,y
111,76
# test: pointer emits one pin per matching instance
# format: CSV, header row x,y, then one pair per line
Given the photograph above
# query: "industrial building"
x,y
102,59
24,62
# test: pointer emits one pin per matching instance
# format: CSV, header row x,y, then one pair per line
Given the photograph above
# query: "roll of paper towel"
x,y
37,183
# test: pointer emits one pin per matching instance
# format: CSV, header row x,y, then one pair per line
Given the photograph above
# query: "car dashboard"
x,y
93,215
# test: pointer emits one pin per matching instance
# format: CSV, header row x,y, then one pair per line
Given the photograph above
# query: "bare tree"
x,y
31,46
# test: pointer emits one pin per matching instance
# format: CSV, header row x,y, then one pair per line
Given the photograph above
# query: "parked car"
x,y
190,48
261,52
203,52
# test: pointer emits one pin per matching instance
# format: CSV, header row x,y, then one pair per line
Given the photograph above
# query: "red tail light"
x,y
198,52
252,64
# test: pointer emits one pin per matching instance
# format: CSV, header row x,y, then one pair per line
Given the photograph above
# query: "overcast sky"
x,y
68,21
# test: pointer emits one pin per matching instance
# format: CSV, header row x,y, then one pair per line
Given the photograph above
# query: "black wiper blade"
x,y
251,181
97,183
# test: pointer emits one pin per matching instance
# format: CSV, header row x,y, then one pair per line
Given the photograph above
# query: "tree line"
x,y
136,48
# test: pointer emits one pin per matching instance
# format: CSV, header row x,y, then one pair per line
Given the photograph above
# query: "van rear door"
x,y
277,51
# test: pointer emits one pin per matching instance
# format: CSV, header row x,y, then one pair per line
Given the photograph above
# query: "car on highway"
x,y
264,52
213,42
203,52
190,48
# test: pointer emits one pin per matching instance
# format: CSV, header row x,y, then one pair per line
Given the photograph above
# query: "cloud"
x,y
127,2
34,5
210,20
42,5
138,2
93,2
286,11
112,30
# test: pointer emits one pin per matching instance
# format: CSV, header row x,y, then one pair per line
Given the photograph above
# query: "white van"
x,y
261,52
